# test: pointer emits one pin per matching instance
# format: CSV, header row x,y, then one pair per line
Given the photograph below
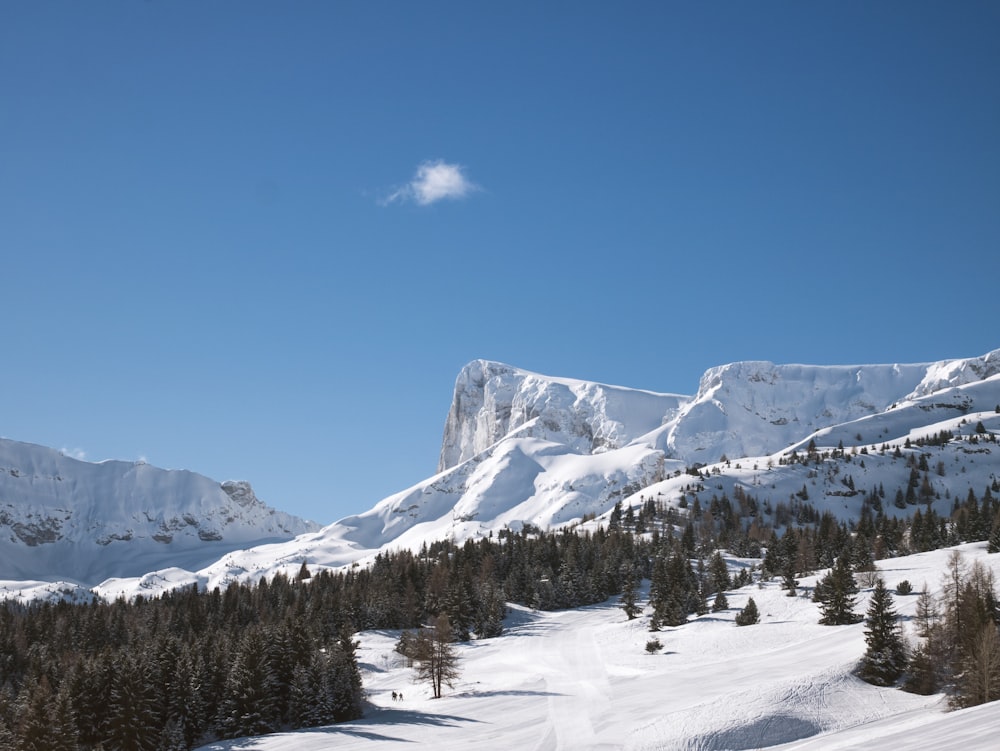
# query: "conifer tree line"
x,y
958,638
190,666
171,672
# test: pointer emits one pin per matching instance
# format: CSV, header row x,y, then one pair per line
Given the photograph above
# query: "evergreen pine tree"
x,y
836,594
183,713
629,600
66,737
89,686
993,545
681,592
308,702
133,718
658,593
789,583
248,701
343,678
34,727
885,658
718,572
923,672
490,611
172,738
749,615
7,737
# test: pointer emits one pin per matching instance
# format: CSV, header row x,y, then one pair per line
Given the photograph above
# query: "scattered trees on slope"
x,y
959,651
190,666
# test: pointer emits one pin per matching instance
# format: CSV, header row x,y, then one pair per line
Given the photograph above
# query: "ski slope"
x,y
582,679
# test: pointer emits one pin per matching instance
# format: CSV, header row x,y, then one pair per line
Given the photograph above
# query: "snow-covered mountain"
x,y
522,449
494,401
82,522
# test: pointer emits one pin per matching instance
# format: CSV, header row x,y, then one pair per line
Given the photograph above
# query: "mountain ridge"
x,y
65,518
521,450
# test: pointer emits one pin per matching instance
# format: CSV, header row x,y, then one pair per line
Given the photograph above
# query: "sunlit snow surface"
x,y
582,679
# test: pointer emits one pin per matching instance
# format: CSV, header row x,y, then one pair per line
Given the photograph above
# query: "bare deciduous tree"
x,y
435,656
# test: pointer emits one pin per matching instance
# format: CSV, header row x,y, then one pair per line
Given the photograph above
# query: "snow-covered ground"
x,y
582,679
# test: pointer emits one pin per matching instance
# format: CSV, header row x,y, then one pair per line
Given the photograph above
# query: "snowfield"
x,y
582,679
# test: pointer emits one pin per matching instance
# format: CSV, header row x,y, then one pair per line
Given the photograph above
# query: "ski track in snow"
x,y
582,679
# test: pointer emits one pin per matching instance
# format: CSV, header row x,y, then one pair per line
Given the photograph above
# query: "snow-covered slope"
x,y
573,449
582,679
82,522
757,408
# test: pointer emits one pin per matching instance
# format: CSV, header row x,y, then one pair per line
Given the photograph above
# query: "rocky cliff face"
x,y
951,373
748,408
493,401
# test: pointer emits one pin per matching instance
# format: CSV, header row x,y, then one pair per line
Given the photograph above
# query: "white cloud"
x,y
434,181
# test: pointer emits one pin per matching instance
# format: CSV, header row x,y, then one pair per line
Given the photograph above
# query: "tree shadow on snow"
x,y
364,728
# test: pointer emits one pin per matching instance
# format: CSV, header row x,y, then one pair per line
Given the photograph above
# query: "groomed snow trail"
x,y
582,680
576,681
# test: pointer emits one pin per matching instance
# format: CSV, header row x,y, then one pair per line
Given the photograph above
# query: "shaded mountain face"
x,y
61,518
522,450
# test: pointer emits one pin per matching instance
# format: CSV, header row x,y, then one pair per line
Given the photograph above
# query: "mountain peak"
x,y
493,401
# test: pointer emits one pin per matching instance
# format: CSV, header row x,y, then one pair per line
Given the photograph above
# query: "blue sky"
x,y
259,240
